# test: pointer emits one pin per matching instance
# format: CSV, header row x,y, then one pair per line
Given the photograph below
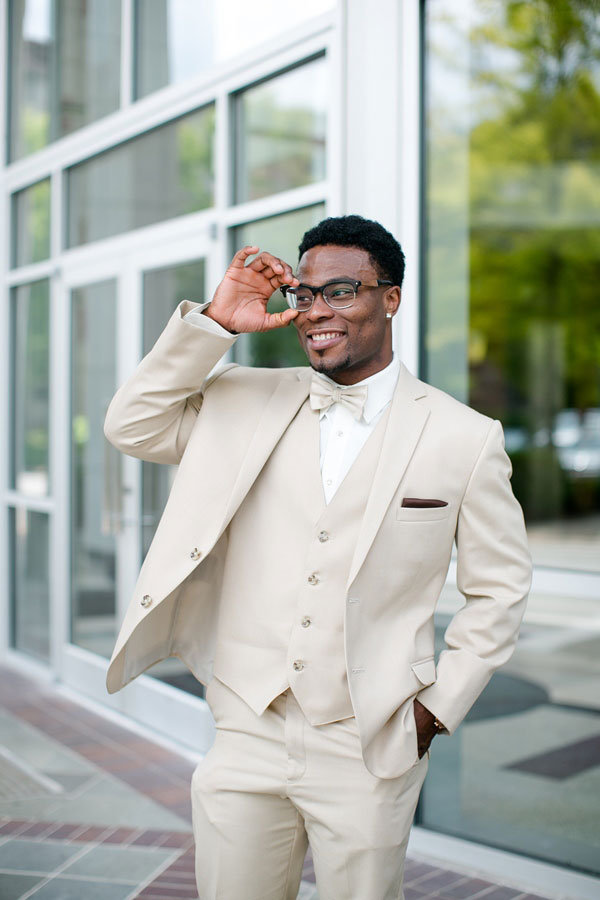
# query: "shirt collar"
x,y
380,387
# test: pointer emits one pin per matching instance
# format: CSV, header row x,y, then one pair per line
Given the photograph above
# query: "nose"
x,y
319,309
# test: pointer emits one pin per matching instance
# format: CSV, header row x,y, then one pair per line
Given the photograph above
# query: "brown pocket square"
x,y
422,503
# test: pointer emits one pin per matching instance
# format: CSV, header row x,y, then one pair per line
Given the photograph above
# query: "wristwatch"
x,y
439,725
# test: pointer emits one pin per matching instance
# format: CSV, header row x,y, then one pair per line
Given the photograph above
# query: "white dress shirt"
x,y
342,436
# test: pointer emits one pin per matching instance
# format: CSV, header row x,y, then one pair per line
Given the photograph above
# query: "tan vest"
x,y
281,611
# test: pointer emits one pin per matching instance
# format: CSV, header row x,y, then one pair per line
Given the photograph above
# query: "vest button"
x,y
298,665
313,579
306,621
146,600
196,554
323,536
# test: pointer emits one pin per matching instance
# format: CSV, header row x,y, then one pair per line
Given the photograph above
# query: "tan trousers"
x,y
272,783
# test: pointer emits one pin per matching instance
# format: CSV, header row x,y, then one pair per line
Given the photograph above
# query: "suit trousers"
x,y
271,784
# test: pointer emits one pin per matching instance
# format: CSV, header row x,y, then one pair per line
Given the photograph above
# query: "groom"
x,y
299,559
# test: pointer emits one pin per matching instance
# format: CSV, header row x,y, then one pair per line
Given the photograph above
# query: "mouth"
x,y
322,340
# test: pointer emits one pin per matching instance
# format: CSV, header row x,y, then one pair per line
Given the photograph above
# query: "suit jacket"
x,y
221,430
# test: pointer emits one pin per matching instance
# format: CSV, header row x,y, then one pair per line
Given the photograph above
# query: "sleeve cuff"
x,y
195,317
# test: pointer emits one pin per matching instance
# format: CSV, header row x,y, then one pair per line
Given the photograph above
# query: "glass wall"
x,y
512,327
96,487
31,224
163,173
177,39
65,68
280,235
281,127
30,582
30,396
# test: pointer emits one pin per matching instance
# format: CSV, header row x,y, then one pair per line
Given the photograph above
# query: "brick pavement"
x,y
107,855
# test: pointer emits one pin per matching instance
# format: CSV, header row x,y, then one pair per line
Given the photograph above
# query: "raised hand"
x,y
240,301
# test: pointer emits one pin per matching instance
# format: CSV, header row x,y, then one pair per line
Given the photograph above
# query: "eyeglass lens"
x,y
337,295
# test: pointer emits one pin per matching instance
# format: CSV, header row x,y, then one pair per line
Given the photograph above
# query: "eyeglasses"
x,y
336,294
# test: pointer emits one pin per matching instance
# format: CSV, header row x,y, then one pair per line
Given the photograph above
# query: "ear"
x,y
391,300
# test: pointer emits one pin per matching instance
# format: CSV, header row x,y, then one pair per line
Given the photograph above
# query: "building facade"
x,y
144,141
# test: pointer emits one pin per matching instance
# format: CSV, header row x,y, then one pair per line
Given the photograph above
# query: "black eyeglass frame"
x,y
287,288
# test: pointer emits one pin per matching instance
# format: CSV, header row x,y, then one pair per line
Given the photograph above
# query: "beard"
x,y
330,369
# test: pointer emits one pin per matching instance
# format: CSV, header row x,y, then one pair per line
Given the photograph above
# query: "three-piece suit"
x,y
311,622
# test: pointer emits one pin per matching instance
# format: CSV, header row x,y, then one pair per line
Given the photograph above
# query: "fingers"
x,y
273,268
239,259
280,319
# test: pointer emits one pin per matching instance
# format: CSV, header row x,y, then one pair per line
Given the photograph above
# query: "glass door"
x,y
95,468
114,311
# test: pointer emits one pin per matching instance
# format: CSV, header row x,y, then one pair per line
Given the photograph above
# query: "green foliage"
x,y
531,214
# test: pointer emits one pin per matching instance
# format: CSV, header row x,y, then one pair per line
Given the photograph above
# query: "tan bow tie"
x,y
323,394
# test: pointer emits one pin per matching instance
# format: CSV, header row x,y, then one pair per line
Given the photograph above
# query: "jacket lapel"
x,y
284,403
404,426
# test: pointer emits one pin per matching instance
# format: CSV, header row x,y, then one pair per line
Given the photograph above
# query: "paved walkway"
x,y
90,810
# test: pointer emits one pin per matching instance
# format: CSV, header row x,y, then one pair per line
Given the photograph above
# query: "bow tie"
x,y
323,394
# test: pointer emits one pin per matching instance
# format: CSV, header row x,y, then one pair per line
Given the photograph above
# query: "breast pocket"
x,y
414,514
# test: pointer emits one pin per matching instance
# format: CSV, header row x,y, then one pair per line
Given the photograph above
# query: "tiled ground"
x,y
89,810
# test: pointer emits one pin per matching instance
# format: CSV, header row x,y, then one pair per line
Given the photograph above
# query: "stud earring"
x,y
388,315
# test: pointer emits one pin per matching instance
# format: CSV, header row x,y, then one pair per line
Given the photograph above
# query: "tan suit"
x,y
222,431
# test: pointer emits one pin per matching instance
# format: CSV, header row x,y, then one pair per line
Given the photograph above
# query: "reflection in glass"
x,y
513,328
164,289
281,132
280,235
30,390
178,39
30,581
163,173
31,224
513,256
95,469
64,68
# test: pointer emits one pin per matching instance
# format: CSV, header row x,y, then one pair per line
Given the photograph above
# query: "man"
x,y
299,559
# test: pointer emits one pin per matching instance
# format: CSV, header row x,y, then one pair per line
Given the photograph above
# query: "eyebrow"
x,y
331,280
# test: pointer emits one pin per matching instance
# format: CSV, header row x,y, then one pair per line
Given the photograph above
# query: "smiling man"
x,y
299,560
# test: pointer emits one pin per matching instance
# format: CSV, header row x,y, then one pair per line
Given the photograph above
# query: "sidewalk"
x,y
90,810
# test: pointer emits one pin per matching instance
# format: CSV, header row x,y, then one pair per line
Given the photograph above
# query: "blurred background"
x,y
145,141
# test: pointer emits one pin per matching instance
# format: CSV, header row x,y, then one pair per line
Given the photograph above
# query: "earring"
x,y
388,315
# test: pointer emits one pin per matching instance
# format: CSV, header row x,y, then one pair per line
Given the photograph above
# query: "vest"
x,y
281,610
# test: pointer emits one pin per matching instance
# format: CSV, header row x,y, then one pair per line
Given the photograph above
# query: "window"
x,y
31,224
178,39
30,576
64,68
30,389
163,173
281,132
513,329
96,486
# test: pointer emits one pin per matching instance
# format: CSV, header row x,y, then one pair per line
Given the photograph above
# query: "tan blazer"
x,y
221,430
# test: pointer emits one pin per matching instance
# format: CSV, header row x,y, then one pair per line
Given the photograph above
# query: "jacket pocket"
x,y
422,513
424,669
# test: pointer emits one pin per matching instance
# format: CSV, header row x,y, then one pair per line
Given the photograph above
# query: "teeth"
x,y
324,337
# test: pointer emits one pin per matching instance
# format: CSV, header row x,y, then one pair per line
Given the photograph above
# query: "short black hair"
x,y
355,231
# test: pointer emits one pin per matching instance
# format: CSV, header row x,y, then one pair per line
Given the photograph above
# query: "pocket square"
x,y
422,503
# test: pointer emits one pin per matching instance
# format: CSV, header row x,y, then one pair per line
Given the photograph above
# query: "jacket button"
x,y
196,554
313,579
146,600
323,536
298,665
306,621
